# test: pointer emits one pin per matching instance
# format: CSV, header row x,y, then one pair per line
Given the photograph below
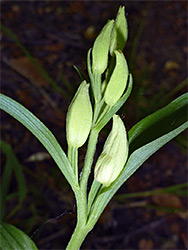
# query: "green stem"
x,y
98,107
89,159
81,229
86,171
81,203
78,237
101,117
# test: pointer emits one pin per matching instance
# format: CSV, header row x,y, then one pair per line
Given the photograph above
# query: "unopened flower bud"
x,y
101,48
114,155
118,80
119,31
79,117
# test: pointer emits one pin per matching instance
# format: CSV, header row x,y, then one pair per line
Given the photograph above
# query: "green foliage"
x,y
12,166
14,239
142,152
159,123
179,189
42,133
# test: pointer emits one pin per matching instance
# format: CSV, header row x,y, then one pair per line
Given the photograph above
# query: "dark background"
x,y
58,34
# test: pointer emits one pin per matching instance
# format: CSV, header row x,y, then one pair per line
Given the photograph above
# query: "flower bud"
x,y
119,31
118,80
114,155
79,117
101,48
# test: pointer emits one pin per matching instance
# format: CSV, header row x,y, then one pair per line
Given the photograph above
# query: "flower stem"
x,y
78,237
82,228
89,159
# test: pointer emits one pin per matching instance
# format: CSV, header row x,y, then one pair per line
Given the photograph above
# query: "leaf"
x,y
81,75
12,165
175,90
5,180
14,239
90,72
92,193
159,123
42,133
179,190
142,153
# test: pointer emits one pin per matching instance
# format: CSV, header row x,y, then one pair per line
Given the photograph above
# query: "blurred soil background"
x,y
55,35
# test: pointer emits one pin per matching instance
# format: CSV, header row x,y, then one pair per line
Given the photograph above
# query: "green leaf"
x,y
142,153
90,71
179,190
14,239
42,133
12,165
159,123
175,90
81,75
5,180
92,193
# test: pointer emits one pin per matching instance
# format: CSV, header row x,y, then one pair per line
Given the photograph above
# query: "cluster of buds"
x,y
110,42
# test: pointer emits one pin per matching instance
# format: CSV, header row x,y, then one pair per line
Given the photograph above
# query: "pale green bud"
x,y
79,117
119,31
114,155
118,80
101,48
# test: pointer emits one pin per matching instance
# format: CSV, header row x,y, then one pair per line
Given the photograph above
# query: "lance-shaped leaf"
x,y
159,123
12,165
144,151
42,133
12,238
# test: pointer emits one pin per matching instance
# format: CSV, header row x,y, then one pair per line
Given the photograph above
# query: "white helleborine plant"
x,y
79,117
114,155
85,119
